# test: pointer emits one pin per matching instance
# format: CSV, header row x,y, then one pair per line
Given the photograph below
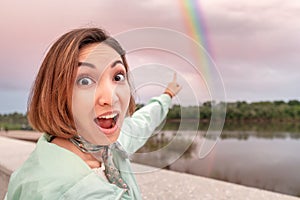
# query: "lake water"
x,y
263,158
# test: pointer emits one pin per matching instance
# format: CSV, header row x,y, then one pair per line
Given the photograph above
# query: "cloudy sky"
x,y
255,45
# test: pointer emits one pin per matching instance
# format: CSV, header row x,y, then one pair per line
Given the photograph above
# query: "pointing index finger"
x,y
174,77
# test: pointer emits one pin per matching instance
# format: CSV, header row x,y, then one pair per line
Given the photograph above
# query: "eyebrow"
x,y
93,66
117,62
86,64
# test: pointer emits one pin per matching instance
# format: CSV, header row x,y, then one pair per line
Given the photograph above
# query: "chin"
x,y
113,137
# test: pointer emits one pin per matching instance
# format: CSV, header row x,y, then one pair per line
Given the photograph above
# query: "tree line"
x,y
14,121
276,111
242,111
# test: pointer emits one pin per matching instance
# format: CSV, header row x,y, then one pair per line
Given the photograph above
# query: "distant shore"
x,y
31,136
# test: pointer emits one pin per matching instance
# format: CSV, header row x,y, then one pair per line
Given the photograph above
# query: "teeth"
x,y
113,115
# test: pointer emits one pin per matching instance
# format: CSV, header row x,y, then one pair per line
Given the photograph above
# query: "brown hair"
x,y
50,102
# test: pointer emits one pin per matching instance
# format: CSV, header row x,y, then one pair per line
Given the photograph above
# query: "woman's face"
x,y
101,94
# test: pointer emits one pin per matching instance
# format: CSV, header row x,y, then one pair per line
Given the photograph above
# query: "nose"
x,y
105,93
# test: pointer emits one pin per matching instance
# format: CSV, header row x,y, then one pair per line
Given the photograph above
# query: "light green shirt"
x,y
52,172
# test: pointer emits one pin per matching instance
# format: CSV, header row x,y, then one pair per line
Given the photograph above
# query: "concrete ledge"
x,y
12,154
4,179
154,184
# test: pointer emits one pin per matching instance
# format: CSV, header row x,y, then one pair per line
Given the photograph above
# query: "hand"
x,y
173,88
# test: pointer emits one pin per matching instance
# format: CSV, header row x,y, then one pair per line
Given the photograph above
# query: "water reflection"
x,y
180,144
243,129
263,159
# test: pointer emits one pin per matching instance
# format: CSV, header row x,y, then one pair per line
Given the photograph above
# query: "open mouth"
x,y
107,121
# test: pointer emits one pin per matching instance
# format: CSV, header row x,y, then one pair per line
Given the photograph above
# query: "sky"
x,y
254,45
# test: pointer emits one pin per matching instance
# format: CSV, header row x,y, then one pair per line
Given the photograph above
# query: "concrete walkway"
x,y
155,184
164,184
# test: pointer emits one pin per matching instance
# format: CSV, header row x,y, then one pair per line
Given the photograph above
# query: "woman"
x,y
81,100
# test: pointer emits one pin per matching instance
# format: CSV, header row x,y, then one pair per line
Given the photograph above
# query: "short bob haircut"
x,y
50,102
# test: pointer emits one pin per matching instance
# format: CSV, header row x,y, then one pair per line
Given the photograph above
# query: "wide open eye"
x,y
84,81
119,77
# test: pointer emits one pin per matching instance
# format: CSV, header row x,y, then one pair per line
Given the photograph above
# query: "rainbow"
x,y
196,28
